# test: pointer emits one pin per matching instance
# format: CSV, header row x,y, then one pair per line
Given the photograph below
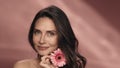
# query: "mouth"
x,y
42,48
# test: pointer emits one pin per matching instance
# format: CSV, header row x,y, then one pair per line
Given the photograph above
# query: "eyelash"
x,y
36,32
51,33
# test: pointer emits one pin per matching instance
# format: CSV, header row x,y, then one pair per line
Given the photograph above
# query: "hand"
x,y
45,62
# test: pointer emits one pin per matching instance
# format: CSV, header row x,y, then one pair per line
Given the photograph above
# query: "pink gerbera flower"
x,y
58,58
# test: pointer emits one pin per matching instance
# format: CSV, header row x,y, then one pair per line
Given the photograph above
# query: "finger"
x,y
44,58
45,62
44,65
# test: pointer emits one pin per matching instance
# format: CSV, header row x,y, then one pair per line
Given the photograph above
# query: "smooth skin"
x,y
45,41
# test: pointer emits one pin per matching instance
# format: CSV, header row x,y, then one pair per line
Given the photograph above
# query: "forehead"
x,y
45,23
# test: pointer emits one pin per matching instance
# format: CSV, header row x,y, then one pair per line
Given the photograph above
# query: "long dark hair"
x,y
67,41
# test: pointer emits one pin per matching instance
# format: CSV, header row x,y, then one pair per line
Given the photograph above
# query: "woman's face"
x,y
45,36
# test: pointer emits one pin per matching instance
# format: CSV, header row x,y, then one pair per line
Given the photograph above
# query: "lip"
x,y
42,47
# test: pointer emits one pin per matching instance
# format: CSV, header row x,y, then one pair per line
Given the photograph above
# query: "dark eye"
x,y
51,33
36,32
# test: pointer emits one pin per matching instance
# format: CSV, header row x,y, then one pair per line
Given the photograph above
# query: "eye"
x,y
51,33
36,32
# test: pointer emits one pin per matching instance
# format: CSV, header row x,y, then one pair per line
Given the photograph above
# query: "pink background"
x,y
95,23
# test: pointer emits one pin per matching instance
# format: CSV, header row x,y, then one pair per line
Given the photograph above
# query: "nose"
x,y
42,39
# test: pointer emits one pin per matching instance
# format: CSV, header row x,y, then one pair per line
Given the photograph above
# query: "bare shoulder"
x,y
23,63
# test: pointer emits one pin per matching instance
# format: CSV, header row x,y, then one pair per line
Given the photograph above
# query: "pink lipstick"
x,y
42,47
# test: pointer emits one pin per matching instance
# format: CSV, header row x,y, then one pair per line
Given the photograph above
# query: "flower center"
x,y
59,57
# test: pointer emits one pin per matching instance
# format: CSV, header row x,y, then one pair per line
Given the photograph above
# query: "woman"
x,y
49,31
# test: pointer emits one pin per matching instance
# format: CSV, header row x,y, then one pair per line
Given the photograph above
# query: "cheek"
x,y
53,41
35,39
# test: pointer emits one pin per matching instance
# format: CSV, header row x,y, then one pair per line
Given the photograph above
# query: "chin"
x,y
42,54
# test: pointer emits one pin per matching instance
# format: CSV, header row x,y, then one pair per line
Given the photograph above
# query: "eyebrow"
x,y
47,30
36,29
52,31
